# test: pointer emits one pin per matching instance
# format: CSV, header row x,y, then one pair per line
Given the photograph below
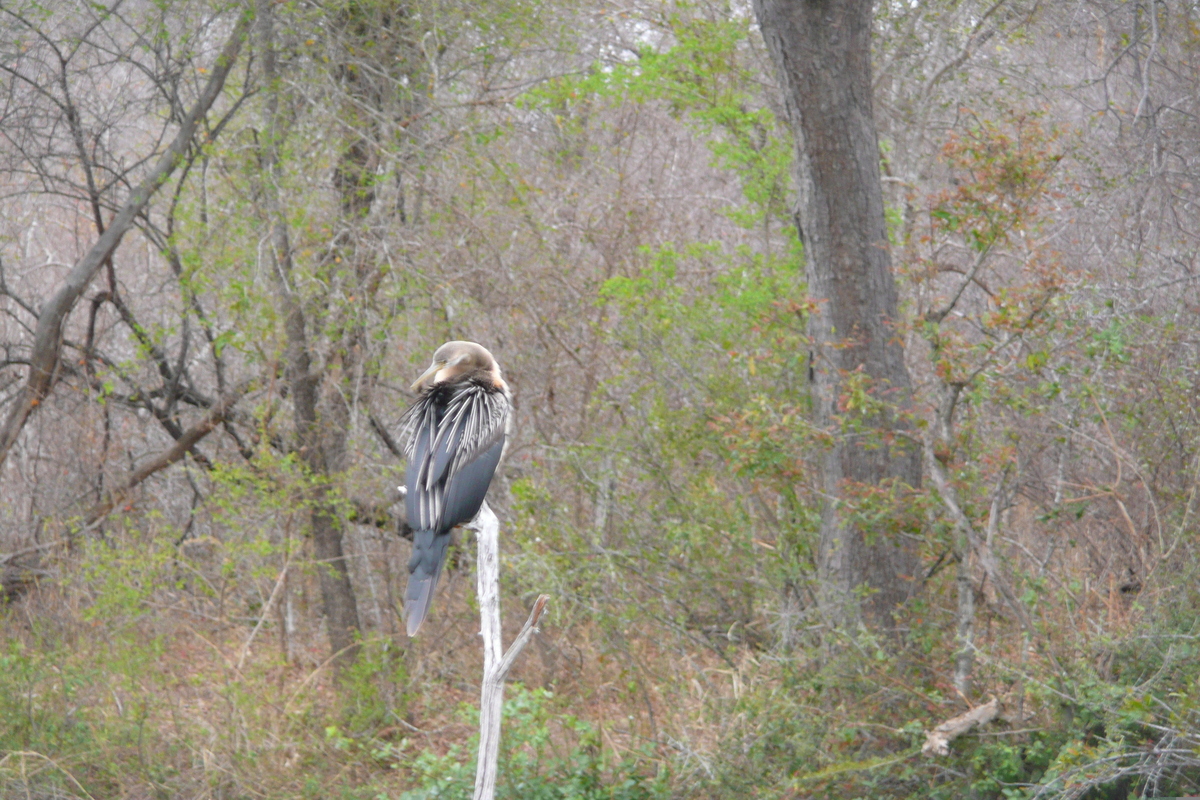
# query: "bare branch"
x,y
382,432
188,440
938,316
527,632
47,344
280,582
937,741
962,521
496,662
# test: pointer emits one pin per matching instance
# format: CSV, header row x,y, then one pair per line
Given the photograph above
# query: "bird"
x,y
456,430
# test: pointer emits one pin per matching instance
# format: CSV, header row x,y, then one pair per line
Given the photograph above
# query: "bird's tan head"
x,y
456,361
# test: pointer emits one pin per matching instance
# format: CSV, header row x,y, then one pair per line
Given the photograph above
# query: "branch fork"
x,y
496,660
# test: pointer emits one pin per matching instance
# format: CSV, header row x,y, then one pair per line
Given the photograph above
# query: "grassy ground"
x,y
146,670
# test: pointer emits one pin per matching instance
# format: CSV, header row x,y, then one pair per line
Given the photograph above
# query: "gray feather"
x,y
455,437
425,566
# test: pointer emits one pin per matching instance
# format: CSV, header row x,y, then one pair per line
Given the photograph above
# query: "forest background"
x,y
200,551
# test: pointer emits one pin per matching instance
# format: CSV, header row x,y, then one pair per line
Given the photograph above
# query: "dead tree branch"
x,y
496,662
937,741
47,344
188,440
961,521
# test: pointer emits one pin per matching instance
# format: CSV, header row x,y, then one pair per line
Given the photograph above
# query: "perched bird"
x,y
456,431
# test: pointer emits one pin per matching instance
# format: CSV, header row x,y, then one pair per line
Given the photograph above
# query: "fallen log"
x,y
937,741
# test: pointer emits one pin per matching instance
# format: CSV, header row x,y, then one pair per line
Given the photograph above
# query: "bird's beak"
x,y
427,375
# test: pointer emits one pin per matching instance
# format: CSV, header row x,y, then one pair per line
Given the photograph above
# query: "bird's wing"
x,y
452,454
422,505
473,422
466,487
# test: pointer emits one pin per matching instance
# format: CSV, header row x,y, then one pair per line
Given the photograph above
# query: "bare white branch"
x,y
496,662
937,741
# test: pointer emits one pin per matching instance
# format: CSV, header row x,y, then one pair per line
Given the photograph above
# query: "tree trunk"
x,y
320,427
822,53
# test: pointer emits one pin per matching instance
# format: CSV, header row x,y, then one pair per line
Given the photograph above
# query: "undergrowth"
x,y
121,680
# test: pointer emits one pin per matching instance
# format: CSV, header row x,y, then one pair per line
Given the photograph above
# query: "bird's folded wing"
x,y
465,488
473,423
423,505
449,451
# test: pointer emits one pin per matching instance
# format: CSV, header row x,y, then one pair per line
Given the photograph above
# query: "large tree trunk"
x,y
822,52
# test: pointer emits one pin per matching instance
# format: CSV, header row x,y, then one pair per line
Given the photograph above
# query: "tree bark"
x,y
822,53
319,427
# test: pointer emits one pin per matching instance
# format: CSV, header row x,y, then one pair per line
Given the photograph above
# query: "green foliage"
x,y
703,75
536,763
376,686
713,373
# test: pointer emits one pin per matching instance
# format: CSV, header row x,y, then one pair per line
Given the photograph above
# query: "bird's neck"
x,y
484,379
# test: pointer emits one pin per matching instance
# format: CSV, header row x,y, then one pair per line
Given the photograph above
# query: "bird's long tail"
x,y
429,554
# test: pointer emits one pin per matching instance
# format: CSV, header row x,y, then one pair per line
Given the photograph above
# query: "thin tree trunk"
x,y
822,53
322,443
941,446
964,659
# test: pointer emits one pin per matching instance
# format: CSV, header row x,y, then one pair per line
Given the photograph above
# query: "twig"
x,y
23,754
309,679
24,551
382,432
185,444
266,611
938,316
